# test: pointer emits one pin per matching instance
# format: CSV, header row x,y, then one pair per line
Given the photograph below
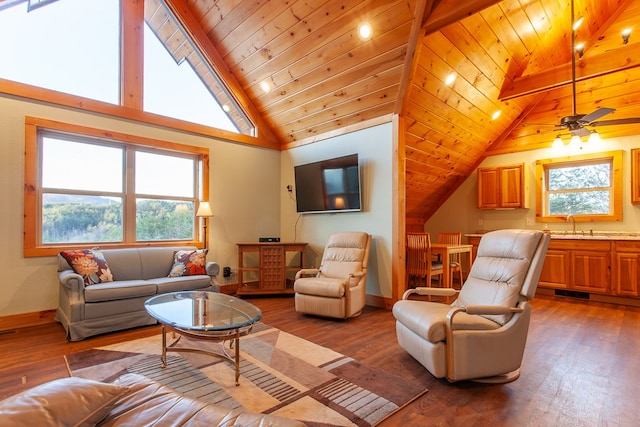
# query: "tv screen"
x,y
331,185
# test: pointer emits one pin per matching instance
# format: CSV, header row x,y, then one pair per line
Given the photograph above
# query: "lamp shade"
x,y
204,210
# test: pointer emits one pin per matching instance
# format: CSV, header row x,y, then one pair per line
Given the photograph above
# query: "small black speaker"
x,y
268,239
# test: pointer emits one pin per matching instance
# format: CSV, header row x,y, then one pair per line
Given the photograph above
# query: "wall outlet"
x,y
480,221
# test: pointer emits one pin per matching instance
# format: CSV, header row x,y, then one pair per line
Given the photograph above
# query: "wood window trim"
x,y
616,159
31,248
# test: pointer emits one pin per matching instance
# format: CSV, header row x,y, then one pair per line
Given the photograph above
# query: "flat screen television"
x,y
331,185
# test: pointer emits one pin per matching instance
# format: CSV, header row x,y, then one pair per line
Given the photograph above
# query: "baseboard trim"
x,y
585,296
378,301
25,320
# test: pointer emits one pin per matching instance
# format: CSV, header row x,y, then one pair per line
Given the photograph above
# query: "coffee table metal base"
x,y
232,336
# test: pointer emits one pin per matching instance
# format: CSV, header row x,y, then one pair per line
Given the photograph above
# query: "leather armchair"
x,y
338,287
481,336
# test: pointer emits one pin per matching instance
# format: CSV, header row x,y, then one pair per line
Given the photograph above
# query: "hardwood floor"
x,y
580,367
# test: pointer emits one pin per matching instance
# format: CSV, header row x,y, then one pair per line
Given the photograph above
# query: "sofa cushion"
x,y
427,319
188,263
62,402
90,264
176,284
321,286
121,289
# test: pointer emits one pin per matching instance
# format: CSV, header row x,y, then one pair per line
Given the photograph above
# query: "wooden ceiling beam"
x,y
609,62
445,12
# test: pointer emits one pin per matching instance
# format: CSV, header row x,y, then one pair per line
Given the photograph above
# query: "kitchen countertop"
x,y
584,235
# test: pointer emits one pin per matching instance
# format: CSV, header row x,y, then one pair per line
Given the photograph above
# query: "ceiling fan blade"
x,y
627,121
581,132
594,115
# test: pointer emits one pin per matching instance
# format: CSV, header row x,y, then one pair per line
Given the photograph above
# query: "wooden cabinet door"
x,y
488,191
635,176
591,271
510,186
272,267
555,270
626,279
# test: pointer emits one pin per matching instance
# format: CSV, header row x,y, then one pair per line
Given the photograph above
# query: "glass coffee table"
x,y
203,316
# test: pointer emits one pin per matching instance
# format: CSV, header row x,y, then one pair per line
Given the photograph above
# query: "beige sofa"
x,y
138,274
131,400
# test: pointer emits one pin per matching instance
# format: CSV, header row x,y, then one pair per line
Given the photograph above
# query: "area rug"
x,y
281,374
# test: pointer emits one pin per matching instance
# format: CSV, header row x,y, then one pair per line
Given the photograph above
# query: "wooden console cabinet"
x,y
269,267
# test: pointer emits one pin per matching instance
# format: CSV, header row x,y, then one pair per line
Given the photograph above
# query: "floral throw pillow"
x,y
188,263
90,264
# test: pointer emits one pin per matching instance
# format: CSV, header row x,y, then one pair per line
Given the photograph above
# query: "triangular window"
x,y
73,47
179,82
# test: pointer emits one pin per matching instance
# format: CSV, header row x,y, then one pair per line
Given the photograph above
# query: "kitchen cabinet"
x,y
503,187
269,267
635,176
580,265
626,262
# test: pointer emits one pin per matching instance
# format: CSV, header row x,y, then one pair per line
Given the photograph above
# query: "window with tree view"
x,y
96,190
587,187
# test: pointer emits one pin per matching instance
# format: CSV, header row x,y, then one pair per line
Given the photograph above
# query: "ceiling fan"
x,y
576,123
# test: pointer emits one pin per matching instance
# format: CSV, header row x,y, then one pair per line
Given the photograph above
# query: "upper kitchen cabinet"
x,y
503,187
635,176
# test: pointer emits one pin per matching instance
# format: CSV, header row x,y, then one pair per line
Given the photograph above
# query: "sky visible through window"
x,y
72,46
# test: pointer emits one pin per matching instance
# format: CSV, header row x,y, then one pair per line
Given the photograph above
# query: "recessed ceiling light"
x,y
364,31
450,79
496,115
578,22
265,86
226,108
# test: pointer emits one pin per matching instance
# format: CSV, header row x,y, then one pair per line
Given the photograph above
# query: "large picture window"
x,y
588,187
91,54
119,190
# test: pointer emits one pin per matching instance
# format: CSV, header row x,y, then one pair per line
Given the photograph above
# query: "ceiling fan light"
x,y
594,138
625,35
575,141
557,143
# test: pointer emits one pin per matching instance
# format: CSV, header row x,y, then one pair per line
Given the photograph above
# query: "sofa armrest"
x,y
306,272
73,282
212,268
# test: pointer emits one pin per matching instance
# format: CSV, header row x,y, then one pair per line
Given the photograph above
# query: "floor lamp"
x,y
204,211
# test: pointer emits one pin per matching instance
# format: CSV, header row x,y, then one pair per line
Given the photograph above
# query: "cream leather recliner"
x,y
336,289
481,336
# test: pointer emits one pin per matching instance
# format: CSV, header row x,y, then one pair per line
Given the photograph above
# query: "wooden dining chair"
x,y
419,263
455,266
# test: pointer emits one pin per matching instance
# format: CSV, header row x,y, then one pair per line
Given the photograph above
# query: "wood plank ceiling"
x,y
511,56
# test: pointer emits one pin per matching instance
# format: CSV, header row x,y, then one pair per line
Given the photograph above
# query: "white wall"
x,y
245,198
374,148
460,212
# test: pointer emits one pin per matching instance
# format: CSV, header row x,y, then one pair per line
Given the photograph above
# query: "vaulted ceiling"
x,y
512,56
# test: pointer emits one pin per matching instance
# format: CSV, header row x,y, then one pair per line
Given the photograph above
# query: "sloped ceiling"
x,y
512,56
